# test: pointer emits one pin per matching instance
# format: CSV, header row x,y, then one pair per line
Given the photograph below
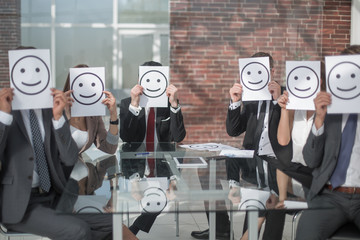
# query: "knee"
x,y
79,231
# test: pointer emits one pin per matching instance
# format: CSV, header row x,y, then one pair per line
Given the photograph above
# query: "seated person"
x,y
168,126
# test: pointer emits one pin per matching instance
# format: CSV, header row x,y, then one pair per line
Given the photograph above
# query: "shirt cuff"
x,y
233,183
58,123
112,139
175,110
134,110
6,118
317,132
234,105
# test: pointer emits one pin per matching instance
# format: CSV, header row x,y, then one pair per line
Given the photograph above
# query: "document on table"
x,y
237,153
208,147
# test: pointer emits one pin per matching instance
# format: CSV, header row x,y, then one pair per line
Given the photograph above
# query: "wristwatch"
x,y
116,122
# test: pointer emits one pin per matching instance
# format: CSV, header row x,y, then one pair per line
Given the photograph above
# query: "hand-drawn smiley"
x,y
30,75
344,80
252,204
154,83
303,82
87,88
255,76
154,200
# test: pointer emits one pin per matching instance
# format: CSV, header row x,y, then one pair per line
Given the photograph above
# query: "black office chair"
x,y
348,231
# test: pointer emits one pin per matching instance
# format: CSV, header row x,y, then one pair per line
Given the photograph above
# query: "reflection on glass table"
x,y
130,187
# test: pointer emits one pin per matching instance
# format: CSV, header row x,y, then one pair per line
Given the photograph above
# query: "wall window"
x,y
116,34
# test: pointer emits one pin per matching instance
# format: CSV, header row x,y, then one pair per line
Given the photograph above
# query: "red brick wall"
x,y
9,35
207,37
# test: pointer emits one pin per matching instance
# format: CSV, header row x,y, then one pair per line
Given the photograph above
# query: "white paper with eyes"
x,y
88,85
154,80
255,76
30,76
302,83
343,83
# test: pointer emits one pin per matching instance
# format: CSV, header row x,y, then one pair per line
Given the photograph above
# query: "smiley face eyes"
x,y
249,73
22,70
307,78
353,75
147,80
92,84
338,76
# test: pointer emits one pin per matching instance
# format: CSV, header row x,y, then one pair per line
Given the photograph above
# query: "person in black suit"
x,y
30,190
169,127
333,150
254,117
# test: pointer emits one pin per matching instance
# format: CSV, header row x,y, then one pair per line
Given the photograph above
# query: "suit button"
x,y
30,177
31,158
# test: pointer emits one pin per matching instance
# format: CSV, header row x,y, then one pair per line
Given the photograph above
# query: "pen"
x,y
142,154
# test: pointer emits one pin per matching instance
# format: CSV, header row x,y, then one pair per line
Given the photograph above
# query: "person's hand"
x,y
234,195
59,103
283,100
170,192
108,208
110,102
272,201
6,97
280,205
322,100
274,89
171,92
135,93
69,101
236,92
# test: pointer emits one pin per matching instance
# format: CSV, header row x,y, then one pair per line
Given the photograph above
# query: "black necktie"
x,y
150,139
40,157
258,131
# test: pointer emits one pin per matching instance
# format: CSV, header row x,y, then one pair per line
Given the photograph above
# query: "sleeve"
x,y
67,147
313,150
177,126
236,121
132,128
104,140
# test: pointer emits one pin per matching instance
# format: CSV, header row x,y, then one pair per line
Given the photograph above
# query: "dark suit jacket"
x,y
321,152
17,163
244,119
169,126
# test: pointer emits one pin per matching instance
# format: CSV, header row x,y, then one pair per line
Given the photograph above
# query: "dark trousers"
x,y
41,219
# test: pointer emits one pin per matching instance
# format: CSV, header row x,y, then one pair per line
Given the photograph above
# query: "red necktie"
x,y
150,131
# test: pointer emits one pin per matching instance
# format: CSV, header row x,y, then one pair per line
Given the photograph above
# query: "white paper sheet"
x,y
302,83
88,85
254,77
237,153
208,147
154,80
343,82
30,76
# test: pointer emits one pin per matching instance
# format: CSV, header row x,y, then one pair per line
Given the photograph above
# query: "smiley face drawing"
x,y
302,82
344,80
154,83
252,204
87,88
30,75
154,200
255,76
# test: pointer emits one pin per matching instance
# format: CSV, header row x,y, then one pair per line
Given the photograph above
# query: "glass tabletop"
x,y
172,178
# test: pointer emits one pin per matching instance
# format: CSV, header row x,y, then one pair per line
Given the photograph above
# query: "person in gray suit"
x,y
334,194
27,201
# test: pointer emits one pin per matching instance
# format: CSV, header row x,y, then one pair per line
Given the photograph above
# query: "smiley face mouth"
x,y
346,89
87,96
303,90
31,84
150,194
256,82
150,90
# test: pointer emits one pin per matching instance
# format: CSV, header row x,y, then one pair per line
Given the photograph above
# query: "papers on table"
x,y
208,147
295,204
237,153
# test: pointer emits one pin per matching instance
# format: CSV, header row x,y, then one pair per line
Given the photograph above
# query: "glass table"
x,y
183,180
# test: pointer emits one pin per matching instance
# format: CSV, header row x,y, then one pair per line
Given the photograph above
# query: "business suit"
x,y
321,153
169,128
239,120
21,208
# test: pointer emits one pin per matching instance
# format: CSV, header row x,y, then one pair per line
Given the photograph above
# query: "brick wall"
x,y
9,35
207,37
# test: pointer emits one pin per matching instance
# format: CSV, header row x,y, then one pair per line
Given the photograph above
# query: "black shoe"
x,y
205,235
